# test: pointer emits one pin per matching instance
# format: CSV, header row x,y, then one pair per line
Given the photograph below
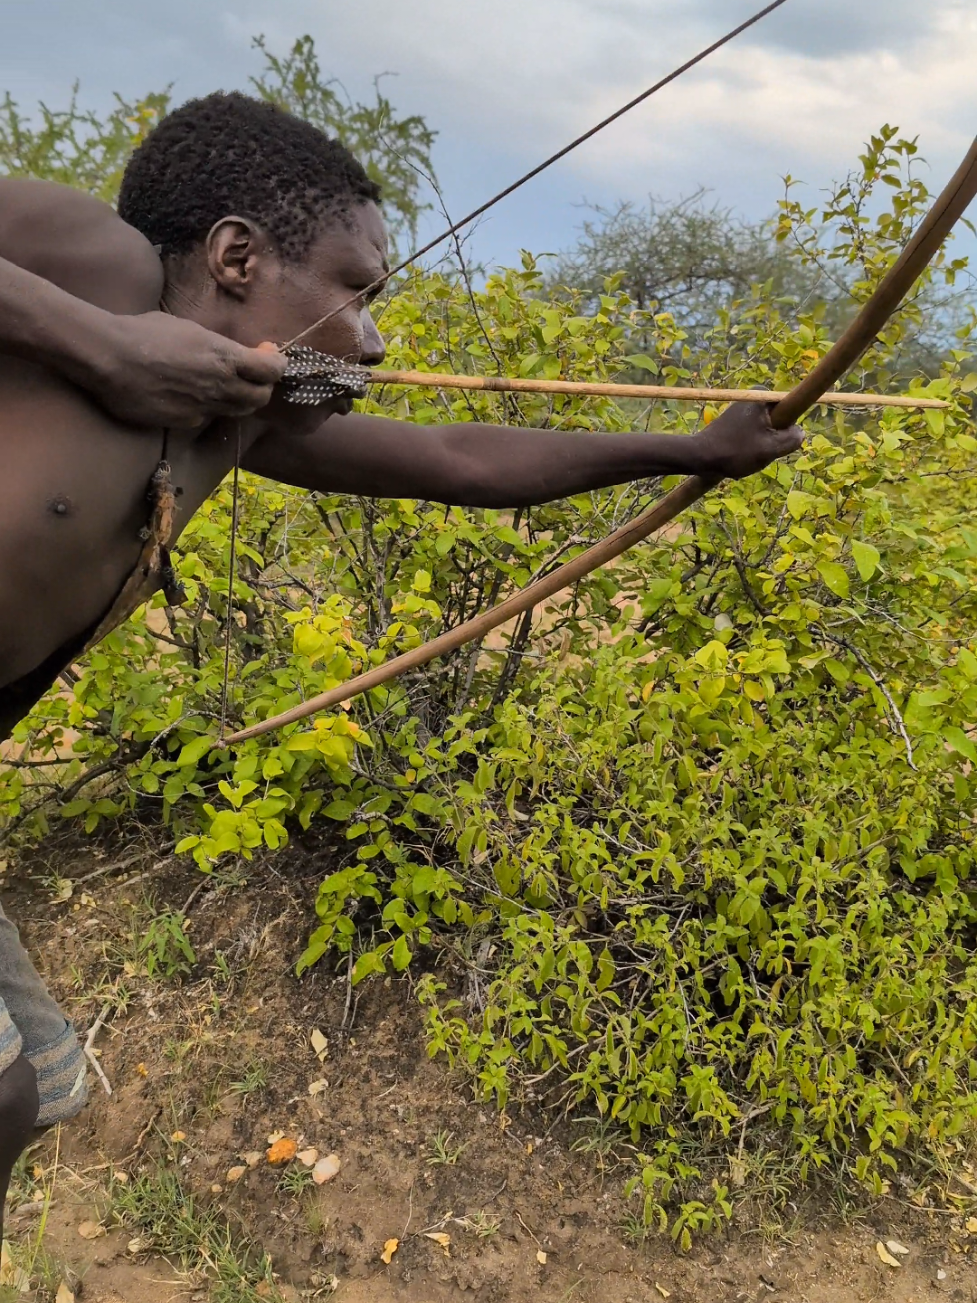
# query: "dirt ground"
x,y
209,1068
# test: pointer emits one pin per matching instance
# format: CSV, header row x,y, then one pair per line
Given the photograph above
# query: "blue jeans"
x,y
32,1024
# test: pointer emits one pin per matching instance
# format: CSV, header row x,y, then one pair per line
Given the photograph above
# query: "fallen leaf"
x,y
390,1247
235,1174
737,1172
14,1277
136,1245
318,1087
64,1294
972,1225
541,1257
320,1045
253,1157
216,1189
308,1157
142,1069
895,1247
282,1151
326,1168
442,1238
275,1136
90,1230
121,1177
885,1255
665,1293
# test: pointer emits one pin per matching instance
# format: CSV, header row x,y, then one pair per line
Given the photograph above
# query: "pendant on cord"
x,y
312,377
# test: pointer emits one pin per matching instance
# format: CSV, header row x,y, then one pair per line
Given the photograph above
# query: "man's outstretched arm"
x,y
474,465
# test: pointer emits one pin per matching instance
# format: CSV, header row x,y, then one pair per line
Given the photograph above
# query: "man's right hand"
x,y
160,370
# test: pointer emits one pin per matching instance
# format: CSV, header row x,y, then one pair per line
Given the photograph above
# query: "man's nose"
x,y
374,350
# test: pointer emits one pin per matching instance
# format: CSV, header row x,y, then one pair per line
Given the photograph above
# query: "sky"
x,y
506,82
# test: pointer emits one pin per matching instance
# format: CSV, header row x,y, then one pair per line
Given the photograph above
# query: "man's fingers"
x,y
260,366
241,399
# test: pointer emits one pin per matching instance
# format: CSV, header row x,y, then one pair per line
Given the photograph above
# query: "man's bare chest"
x,y
75,503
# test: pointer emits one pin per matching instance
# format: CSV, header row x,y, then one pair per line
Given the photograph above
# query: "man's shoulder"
x,y
79,243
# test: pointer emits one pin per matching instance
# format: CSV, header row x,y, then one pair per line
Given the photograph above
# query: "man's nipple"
x,y
60,505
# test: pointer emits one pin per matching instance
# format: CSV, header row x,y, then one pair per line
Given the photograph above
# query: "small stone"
x,y
235,1174
216,1189
308,1157
326,1168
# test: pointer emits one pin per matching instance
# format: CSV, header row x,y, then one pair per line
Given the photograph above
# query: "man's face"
x,y
347,256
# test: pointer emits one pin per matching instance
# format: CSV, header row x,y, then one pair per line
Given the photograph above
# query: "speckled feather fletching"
x,y
312,377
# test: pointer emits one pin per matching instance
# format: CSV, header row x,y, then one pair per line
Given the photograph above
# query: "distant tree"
x,y
76,146
82,148
688,257
395,151
694,259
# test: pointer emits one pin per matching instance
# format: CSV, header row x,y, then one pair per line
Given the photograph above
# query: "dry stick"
x,y
93,1031
506,385
934,228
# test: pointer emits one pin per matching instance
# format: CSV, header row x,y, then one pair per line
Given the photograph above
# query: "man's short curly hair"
x,y
229,154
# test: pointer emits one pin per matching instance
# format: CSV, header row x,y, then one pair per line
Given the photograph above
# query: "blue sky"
x,y
507,81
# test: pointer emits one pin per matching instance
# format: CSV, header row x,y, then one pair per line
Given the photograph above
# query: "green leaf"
x,y
340,810
401,955
834,576
867,560
960,742
798,503
195,751
643,362
713,656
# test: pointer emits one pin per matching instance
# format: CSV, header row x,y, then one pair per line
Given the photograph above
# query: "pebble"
x,y
326,1168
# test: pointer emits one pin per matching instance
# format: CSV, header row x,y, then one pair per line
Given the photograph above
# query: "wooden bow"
x,y
921,249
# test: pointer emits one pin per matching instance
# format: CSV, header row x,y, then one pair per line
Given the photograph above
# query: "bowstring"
x,y
540,167
229,613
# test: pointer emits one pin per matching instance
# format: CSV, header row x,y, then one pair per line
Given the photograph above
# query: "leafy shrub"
x,y
708,829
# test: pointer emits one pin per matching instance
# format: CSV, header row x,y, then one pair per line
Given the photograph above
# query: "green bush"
x,y
704,837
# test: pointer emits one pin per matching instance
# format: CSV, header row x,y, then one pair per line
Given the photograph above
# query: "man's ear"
x,y
235,246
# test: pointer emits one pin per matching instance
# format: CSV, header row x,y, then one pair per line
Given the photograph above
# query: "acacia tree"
x,y
695,258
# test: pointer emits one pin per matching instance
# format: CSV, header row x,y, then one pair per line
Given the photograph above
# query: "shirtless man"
x,y
245,225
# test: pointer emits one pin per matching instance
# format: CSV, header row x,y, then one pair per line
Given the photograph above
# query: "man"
x,y
244,225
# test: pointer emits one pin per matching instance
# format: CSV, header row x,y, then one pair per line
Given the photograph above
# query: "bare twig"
x,y
896,721
93,1031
